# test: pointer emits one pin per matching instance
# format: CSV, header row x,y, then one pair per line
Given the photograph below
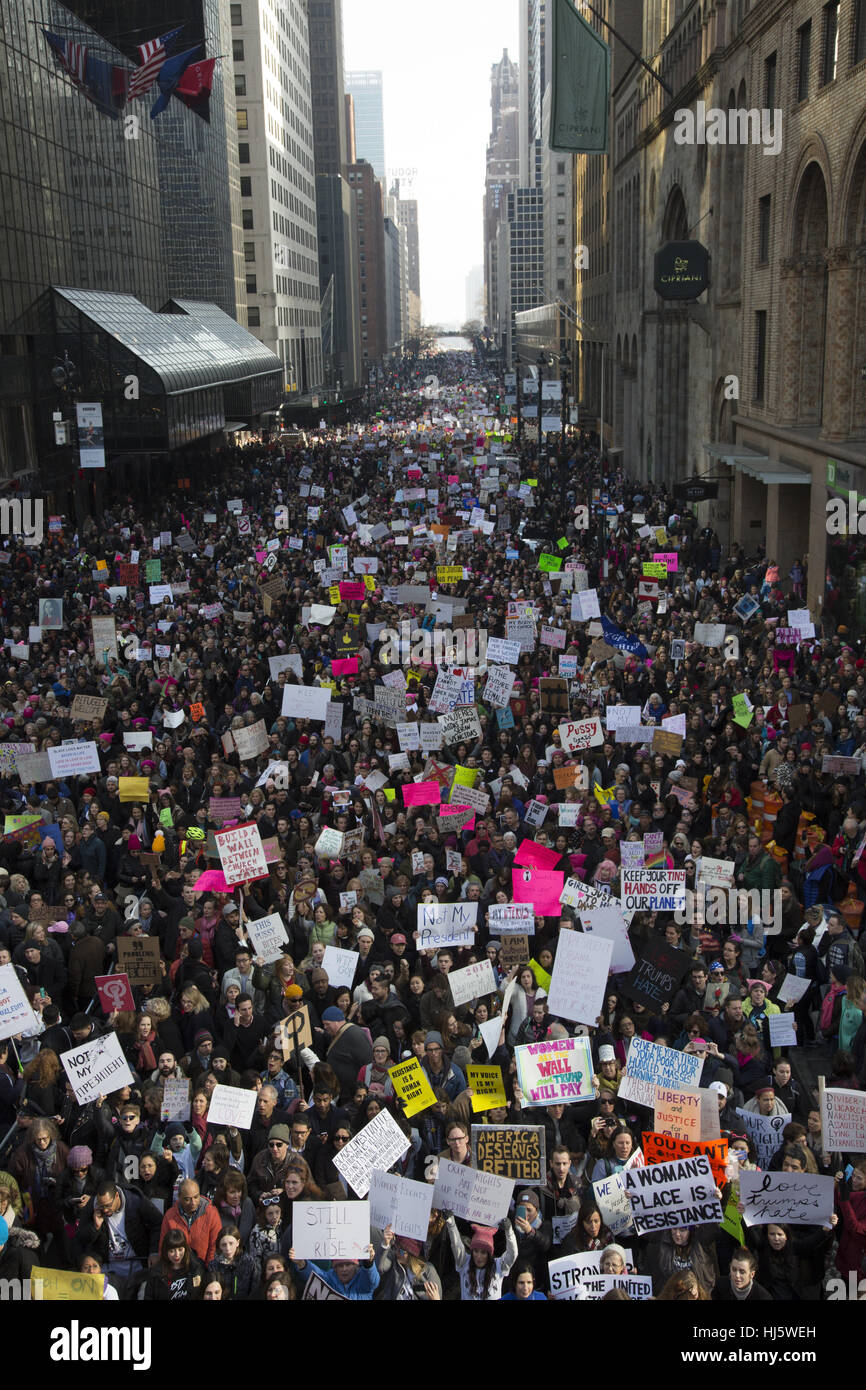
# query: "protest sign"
x,y
499,685
514,951
783,1031
88,707
223,808
317,1291
139,958
410,1083
792,989
331,1230
233,1106
795,1199
667,743
657,973
511,1151
115,992
16,1015
295,1032
104,631
500,650
579,979
765,1132
471,1193
72,759
678,1113
649,1064
251,741
511,919
446,924
96,1068
843,1119
175,1099
473,982
60,1286
666,1195
268,935
340,966
540,887
663,1148
571,1280
653,890
400,1203
555,1070
487,1086
305,702
613,1203
460,726
576,736
377,1146
241,854
709,634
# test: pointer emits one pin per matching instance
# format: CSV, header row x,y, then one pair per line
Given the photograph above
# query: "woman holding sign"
x,y
481,1273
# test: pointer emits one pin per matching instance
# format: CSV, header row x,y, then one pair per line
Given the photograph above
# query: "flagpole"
x,y
601,19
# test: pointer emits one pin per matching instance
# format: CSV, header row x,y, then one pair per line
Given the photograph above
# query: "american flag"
x,y
75,58
153,55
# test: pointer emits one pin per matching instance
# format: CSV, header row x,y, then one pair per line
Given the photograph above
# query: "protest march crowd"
x,y
431,870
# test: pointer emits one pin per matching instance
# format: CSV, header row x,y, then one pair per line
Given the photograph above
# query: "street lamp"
x,y
519,415
542,362
564,367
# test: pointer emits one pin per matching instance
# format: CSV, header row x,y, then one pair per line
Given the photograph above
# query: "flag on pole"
x,y
580,90
70,55
169,76
194,87
153,55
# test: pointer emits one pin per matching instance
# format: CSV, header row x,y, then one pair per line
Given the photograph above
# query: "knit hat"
x,y
482,1238
188,923
203,1035
280,1132
412,1247
606,1053
173,1129
529,1196
293,991
382,1042
333,1015
79,1156
433,1037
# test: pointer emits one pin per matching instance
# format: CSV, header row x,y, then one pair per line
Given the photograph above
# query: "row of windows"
x,y
828,58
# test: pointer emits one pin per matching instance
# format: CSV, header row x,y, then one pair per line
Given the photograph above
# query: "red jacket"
x,y
202,1231
852,1233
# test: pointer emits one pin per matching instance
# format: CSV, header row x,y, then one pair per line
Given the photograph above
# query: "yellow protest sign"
x,y
102,565
488,1088
449,574
604,795
390,793
334,594
134,788
654,569
59,1286
463,777
411,1085
369,582
661,536
541,975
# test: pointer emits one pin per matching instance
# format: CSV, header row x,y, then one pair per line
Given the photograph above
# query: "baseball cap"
x,y
398,939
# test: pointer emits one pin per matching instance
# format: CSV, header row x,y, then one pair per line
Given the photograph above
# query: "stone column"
x,y
839,365
792,274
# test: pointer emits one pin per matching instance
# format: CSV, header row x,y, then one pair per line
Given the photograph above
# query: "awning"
x,y
760,466
233,426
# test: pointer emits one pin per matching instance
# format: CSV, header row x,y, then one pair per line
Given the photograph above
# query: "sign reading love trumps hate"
x,y
555,1070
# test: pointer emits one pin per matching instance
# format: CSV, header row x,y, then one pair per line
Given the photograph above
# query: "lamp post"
x,y
519,415
542,360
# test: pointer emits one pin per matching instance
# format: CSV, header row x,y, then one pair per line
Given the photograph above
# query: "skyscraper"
x,y
278,193
407,218
501,178
365,89
335,200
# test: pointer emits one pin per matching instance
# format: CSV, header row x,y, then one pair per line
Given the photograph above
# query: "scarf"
x,y
44,1163
144,1053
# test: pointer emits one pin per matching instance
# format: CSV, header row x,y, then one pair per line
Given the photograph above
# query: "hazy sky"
x,y
435,60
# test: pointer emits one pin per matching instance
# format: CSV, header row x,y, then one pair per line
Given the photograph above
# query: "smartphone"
x,y
849,1172
520,1213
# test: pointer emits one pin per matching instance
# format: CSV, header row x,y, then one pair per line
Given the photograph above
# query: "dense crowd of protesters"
x,y
187,1210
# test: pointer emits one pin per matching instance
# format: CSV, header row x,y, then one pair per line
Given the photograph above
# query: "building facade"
x,y
501,177
365,89
278,189
370,244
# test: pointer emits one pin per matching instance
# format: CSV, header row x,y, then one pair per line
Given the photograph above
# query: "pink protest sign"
x,y
115,992
345,666
536,856
466,814
350,590
669,559
541,887
422,794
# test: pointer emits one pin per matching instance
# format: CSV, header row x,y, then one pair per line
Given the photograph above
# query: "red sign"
x,y
115,993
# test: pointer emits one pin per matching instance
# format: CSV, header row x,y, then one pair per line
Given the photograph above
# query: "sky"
x,y
435,60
